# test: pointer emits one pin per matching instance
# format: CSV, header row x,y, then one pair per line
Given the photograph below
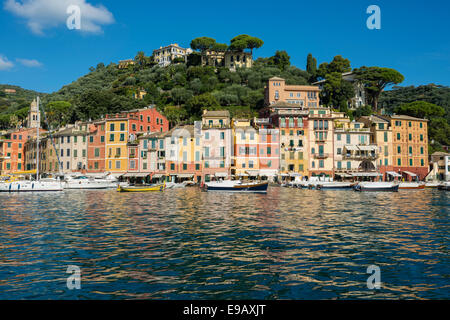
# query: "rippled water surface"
x,y
188,244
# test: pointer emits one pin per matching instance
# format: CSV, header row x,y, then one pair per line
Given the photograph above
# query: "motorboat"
x,y
411,185
376,186
142,188
432,184
83,182
237,186
23,185
335,185
445,186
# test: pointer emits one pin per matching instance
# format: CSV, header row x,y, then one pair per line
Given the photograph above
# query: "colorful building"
x,y
12,147
183,154
277,90
96,147
72,147
245,156
321,142
381,135
410,146
217,144
354,154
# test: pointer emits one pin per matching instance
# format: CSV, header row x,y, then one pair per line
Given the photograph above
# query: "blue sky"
x,y
39,52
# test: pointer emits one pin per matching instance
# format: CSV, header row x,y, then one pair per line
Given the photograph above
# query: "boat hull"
x,y
333,186
30,186
380,187
159,187
258,188
411,186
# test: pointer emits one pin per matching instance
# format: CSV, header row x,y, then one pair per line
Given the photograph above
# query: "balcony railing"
x,y
360,156
321,155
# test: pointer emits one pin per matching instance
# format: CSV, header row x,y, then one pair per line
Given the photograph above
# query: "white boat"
x,y
237,186
432,184
445,186
411,185
31,185
376,186
83,182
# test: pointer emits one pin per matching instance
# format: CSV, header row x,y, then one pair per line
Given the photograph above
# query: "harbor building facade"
x,y
96,147
321,142
410,146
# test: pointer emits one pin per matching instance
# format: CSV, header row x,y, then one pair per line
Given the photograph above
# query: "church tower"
x,y
33,115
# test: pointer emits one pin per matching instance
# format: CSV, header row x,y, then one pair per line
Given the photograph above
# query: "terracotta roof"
x,y
399,116
216,113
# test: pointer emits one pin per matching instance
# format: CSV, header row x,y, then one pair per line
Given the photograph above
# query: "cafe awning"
x,y
185,175
221,174
252,173
410,174
366,174
394,174
294,174
158,175
344,175
267,173
135,174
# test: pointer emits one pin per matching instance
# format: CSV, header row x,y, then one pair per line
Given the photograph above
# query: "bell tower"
x,y
33,115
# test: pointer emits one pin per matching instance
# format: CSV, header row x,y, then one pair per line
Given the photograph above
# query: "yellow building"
x,y
164,56
116,133
125,63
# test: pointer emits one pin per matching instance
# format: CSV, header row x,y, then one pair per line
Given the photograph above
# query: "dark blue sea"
x,y
188,244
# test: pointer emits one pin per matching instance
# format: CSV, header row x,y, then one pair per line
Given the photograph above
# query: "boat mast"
x,y
37,140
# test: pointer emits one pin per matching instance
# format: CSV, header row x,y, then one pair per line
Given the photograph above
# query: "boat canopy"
x,y
410,174
221,174
394,174
366,174
135,174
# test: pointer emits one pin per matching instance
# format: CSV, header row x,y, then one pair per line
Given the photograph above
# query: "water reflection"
x,y
188,244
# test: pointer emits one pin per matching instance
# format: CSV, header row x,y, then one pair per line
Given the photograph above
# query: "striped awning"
x,y
366,174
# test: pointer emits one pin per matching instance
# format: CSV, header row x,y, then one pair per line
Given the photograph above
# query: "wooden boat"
x,y
157,187
237,186
432,184
376,186
335,185
411,186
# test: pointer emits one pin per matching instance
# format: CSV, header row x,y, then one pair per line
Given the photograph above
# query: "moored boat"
x,y
411,185
237,186
376,186
445,186
335,185
83,182
432,184
144,188
31,185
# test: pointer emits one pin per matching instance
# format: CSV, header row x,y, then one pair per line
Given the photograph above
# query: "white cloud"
x,y
32,63
5,64
46,14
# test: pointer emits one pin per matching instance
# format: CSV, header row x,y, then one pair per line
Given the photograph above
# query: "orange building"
x,y
276,90
410,146
12,148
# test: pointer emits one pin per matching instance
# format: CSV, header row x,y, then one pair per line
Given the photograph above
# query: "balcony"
x,y
321,155
352,156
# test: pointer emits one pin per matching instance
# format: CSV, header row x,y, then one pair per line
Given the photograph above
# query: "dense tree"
x,y
376,79
197,103
311,67
281,59
244,41
58,113
175,114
